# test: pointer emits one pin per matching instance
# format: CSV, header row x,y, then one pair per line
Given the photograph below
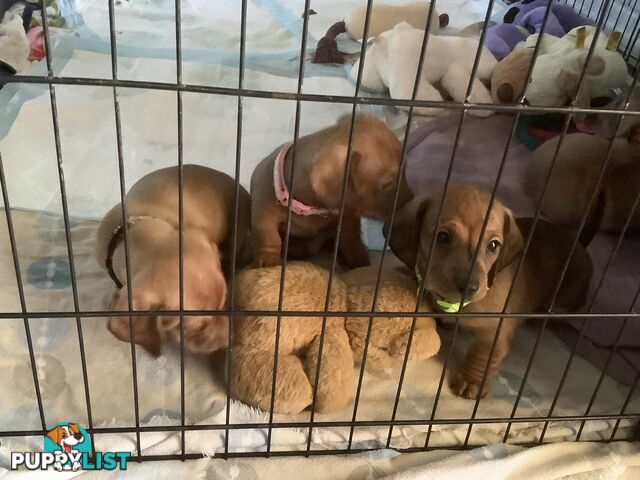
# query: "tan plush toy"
x,y
305,290
509,76
383,17
389,335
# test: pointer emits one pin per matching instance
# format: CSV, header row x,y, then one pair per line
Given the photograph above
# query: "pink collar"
x,y
282,192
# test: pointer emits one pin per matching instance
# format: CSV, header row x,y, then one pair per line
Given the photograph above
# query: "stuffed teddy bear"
x,y
554,79
391,64
305,289
525,18
383,17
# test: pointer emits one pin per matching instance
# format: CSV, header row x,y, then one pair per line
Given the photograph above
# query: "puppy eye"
x,y
443,237
493,246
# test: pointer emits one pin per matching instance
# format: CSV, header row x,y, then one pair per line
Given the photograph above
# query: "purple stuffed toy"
x,y
528,15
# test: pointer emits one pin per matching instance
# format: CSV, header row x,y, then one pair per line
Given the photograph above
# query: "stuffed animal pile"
x,y
525,18
397,34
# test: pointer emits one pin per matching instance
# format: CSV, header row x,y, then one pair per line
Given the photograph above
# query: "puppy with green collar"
x,y
454,282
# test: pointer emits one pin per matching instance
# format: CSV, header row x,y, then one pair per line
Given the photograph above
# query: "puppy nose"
x,y
471,288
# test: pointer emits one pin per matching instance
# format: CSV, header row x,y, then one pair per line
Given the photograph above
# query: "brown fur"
x,y
389,335
254,341
463,214
306,289
318,179
575,175
154,255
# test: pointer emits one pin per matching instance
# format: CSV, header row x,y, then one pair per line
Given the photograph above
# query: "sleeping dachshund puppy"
x,y
490,278
318,179
153,239
577,168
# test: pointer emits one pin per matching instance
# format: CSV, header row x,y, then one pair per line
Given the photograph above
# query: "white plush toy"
x,y
14,48
391,63
554,80
383,17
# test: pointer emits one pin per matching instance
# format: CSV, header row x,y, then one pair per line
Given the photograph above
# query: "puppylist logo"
x,y
67,447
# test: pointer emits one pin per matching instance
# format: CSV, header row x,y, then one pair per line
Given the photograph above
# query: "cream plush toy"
x,y
383,17
305,290
554,79
14,47
391,64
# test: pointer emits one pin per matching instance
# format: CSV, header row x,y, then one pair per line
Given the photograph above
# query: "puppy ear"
x,y
74,427
55,435
512,241
145,328
405,234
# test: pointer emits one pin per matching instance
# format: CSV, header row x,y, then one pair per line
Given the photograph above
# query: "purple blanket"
x,y
481,147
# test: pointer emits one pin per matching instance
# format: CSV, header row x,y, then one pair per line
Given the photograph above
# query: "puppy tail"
x,y
327,49
594,220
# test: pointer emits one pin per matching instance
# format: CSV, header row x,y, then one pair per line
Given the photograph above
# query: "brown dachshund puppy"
x,y
490,278
318,179
574,178
153,237
576,170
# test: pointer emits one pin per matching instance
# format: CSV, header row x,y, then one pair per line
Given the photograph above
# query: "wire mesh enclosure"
x,y
318,434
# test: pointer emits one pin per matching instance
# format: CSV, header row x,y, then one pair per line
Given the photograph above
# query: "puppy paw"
x,y
267,260
468,388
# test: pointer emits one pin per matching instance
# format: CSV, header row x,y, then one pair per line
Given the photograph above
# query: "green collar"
x,y
443,304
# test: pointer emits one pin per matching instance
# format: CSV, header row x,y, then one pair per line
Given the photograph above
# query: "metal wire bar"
x,y
125,226
627,400
236,206
65,212
626,25
332,424
23,305
306,313
311,97
401,173
632,39
178,20
287,233
603,373
343,196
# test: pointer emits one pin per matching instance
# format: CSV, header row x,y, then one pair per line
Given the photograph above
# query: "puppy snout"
x,y
471,288
78,436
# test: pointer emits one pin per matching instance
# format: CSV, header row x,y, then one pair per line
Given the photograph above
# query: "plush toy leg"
x,y
401,87
336,380
370,77
456,80
252,376
425,343
377,356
